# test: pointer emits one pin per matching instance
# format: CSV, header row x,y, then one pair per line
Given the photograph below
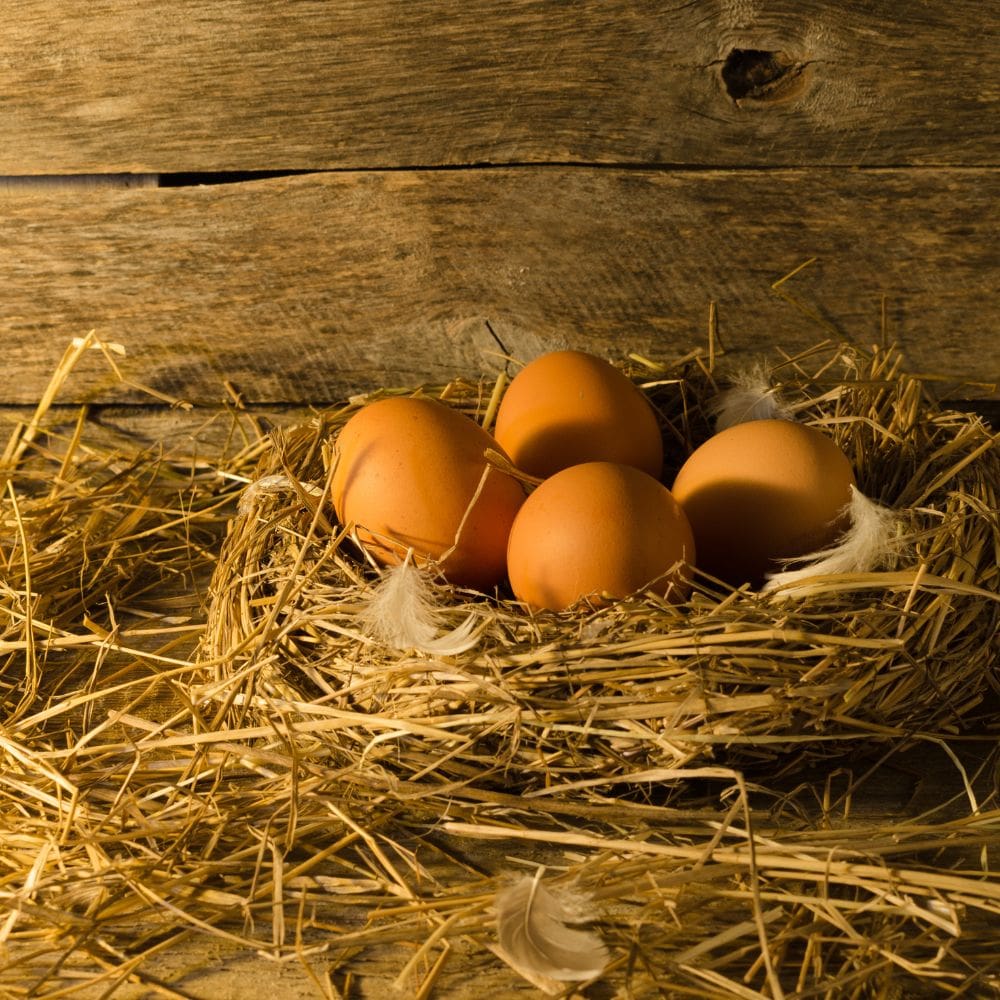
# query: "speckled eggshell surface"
x,y
410,474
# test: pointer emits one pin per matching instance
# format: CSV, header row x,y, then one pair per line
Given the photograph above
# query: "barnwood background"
x,y
586,173
307,199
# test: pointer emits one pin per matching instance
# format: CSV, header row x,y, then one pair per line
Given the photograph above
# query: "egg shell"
x,y
410,474
595,528
763,491
570,407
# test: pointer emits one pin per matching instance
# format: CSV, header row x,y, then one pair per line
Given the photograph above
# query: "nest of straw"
x,y
159,810
550,703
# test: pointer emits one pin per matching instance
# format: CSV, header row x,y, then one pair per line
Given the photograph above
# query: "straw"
x,y
558,703
243,765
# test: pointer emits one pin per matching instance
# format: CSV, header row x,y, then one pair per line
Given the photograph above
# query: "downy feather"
x,y
869,543
401,612
750,397
270,485
536,937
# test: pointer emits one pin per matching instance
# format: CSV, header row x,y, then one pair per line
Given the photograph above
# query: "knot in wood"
x,y
759,75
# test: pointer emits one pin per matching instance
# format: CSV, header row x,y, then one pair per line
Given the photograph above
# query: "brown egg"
x,y
598,528
411,473
762,491
569,407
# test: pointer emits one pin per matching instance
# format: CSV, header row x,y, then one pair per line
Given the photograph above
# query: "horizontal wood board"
x,y
122,85
310,288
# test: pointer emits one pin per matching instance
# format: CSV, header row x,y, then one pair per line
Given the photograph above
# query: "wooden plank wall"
x,y
312,198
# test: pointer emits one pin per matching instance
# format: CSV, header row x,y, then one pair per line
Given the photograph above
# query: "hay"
x,y
561,704
151,797
94,534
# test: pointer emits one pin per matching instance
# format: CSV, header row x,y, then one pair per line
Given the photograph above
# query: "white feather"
x,y
270,486
537,938
871,540
401,611
750,397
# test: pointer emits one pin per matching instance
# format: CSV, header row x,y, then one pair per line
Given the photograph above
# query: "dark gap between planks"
x,y
182,179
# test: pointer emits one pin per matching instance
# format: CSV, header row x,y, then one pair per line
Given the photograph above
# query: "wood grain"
x,y
121,85
306,289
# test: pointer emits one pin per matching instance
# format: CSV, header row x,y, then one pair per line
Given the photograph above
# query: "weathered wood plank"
x,y
118,85
28,183
305,289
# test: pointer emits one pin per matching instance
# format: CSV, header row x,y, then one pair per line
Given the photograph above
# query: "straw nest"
x,y
162,814
560,704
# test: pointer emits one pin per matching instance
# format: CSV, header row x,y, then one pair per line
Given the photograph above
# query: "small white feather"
x,y
270,486
536,936
401,611
871,541
750,397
